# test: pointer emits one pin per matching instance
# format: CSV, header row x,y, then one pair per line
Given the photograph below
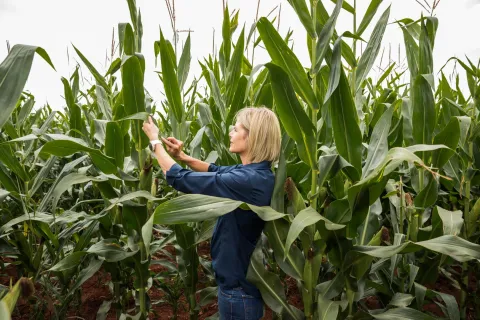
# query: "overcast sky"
x,y
88,24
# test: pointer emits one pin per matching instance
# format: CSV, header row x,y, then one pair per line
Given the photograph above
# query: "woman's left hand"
x,y
150,129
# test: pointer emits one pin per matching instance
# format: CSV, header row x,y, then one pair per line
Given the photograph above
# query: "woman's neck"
x,y
245,159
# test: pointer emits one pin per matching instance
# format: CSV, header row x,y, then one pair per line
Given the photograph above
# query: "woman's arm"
x,y
195,164
174,151
164,160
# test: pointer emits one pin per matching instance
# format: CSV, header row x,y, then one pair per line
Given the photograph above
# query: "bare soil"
x,y
95,291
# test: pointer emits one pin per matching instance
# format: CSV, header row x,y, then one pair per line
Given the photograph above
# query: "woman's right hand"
x,y
174,147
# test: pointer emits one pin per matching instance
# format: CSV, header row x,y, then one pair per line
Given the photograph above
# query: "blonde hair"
x,y
264,134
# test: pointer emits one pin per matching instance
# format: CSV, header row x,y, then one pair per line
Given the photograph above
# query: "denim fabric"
x,y
236,233
235,304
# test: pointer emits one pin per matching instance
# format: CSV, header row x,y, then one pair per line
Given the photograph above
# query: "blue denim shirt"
x,y
235,233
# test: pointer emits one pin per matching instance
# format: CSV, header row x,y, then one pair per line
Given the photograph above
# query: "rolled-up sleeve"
x,y
230,184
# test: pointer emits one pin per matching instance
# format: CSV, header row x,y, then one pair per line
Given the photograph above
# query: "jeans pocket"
x,y
229,296
253,307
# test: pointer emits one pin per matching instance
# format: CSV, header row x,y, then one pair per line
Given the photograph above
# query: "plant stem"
x,y
402,206
466,214
354,48
313,190
142,293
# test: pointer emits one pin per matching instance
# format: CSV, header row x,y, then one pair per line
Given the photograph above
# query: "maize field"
x,y
377,191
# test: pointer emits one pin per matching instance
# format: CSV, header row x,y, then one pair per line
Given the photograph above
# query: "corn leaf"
x,y
373,48
294,119
134,96
14,72
184,63
62,147
114,147
270,286
325,36
98,77
346,132
300,7
367,18
284,57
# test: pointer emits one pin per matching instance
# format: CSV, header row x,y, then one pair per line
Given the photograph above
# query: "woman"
x,y
256,138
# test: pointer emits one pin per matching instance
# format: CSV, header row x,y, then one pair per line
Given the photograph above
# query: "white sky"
x,y
56,24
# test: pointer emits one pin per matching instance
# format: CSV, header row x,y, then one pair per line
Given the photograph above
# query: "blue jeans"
x,y
235,304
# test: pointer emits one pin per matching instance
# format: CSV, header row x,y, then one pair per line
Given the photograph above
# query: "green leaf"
x,y
423,106
326,34
300,7
217,96
5,311
346,6
184,64
339,211
428,196
294,119
42,175
111,251
226,35
404,314
284,57
206,231
335,69
367,18
38,216
8,158
306,218
346,132
378,146
332,288
273,293
293,262
103,103
449,136
371,51
61,147
75,118
196,207
170,80
207,295
114,143
471,221
132,8
450,302
134,96
69,180
131,195
25,111
425,57
453,246
327,309
129,40
234,69
72,260
401,300
98,77
411,48
136,116
14,72
451,221
386,74
238,100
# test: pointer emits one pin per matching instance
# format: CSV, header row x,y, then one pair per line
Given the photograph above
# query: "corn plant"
x,y
376,190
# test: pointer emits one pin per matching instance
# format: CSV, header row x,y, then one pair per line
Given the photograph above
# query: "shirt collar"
x,y
259,165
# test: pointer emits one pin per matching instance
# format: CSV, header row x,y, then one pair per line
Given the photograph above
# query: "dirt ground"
x,y
95,291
